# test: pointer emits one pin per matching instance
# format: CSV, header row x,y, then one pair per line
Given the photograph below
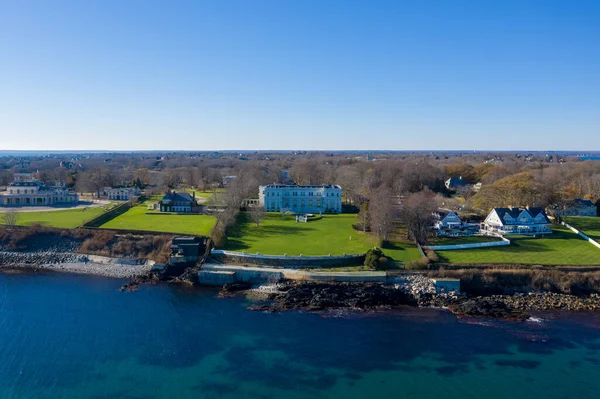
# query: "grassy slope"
x,y
589,225
562,248
331,234
137,219
66,219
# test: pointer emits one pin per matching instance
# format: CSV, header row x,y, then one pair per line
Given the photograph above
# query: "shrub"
x,y
218,235
372,258
432,256
417,264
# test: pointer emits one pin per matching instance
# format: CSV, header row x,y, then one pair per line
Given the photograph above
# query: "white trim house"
x,y
447,220
526,221
301,199
122,193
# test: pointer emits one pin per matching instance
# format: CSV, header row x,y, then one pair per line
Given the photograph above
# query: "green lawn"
x,y
65,219
332,234
138,218
587,224
462,240
562,248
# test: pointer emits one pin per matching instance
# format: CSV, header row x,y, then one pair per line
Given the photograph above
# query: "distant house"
x,y
284,177
228,179
447,220
121,194
526,221
177,202
454,183
576,207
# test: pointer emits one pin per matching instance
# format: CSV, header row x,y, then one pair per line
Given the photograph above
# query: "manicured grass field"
x,y
562,248
461,240
589,225
138,218
332,234
67,219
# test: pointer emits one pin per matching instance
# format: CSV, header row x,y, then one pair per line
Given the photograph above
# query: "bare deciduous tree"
x,y
257,214
363,217
417,214
381,214
10,217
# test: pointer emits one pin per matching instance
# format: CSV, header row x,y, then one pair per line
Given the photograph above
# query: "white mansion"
x,y
301,199
26,190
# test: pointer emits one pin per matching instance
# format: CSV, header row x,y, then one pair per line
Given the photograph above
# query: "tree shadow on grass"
x,y
394,246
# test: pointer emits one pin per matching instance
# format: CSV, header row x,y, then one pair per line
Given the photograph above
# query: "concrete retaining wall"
x,y
504,242
209,275
581,234
287,261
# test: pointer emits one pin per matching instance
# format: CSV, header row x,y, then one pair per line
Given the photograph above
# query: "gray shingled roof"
x,y
581,202
515,212
178,197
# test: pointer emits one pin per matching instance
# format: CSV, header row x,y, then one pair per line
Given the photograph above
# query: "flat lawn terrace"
x,y
563,247
139,218
587,224
331,234
64,219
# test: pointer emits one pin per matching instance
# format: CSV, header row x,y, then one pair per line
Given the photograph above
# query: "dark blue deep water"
x,y
64,336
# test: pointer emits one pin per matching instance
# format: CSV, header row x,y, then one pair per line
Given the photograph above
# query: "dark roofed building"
x,y
576,207
177,202
455,183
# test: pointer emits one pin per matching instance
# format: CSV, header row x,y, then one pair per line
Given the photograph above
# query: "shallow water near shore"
x,y
73,336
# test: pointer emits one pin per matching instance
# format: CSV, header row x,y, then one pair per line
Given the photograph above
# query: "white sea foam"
x,y
535,320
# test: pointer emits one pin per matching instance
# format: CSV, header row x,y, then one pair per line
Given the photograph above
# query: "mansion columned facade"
x,y
301,199
25,190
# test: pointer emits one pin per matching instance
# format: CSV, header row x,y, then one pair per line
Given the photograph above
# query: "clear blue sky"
x,y
300,74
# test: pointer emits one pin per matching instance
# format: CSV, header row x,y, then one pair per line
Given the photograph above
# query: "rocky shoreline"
x,y
317,296
68,262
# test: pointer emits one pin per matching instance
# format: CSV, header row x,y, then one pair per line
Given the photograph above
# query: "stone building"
x,y
26,190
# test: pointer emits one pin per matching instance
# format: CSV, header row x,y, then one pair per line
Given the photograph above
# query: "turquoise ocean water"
x,y
64,336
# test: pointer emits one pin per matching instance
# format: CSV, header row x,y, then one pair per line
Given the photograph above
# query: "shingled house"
x,y
177,202
447,220
576,207
525,221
